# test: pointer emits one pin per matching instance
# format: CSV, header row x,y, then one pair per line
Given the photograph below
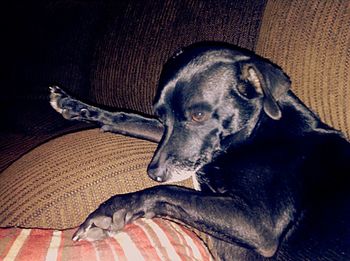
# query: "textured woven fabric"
x,y
147,240
59,183
310,40
130,56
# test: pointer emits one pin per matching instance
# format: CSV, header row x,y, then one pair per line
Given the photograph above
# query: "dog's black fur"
x,y
272,178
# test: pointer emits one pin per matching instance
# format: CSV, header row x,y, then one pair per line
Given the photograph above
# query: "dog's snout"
x,y
156,172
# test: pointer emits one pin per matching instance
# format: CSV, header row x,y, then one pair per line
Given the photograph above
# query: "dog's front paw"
x,y
111,217
69,107
99,226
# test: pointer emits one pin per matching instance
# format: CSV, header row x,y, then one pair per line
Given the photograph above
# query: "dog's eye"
x,y
199,116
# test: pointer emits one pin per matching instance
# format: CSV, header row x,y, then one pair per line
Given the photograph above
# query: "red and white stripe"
x,y
144,240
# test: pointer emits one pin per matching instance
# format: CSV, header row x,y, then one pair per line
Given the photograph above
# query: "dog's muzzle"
x,y
166,173
156,172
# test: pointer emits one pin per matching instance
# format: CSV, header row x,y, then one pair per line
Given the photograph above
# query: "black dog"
x,y
272,178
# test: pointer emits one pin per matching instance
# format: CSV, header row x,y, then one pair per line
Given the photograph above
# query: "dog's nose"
x,y
156,172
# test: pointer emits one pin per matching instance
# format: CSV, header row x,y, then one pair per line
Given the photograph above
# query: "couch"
x,y
53,172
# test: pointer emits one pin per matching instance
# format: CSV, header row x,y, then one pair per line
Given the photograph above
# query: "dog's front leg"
x,y
225,218
118,122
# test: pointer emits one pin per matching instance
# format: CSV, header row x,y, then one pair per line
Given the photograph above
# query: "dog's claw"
x,y
81,233
78,235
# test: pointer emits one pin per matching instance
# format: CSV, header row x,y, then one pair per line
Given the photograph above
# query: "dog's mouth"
x,y
177,175
177,172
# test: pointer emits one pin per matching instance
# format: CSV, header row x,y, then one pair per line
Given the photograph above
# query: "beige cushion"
x,y
310,40
59,183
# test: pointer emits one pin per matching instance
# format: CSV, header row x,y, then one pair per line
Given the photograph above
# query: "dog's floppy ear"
x,y
268,80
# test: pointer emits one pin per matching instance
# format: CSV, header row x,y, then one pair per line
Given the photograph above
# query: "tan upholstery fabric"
x,y
310,40
60,182
130,56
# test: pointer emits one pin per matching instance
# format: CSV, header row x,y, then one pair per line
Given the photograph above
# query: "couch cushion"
x,y
151,240
59,183
310,41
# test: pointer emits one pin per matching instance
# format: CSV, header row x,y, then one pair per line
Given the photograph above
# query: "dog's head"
x,y
208,93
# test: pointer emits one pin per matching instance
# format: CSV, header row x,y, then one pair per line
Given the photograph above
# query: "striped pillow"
x,y
145,239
